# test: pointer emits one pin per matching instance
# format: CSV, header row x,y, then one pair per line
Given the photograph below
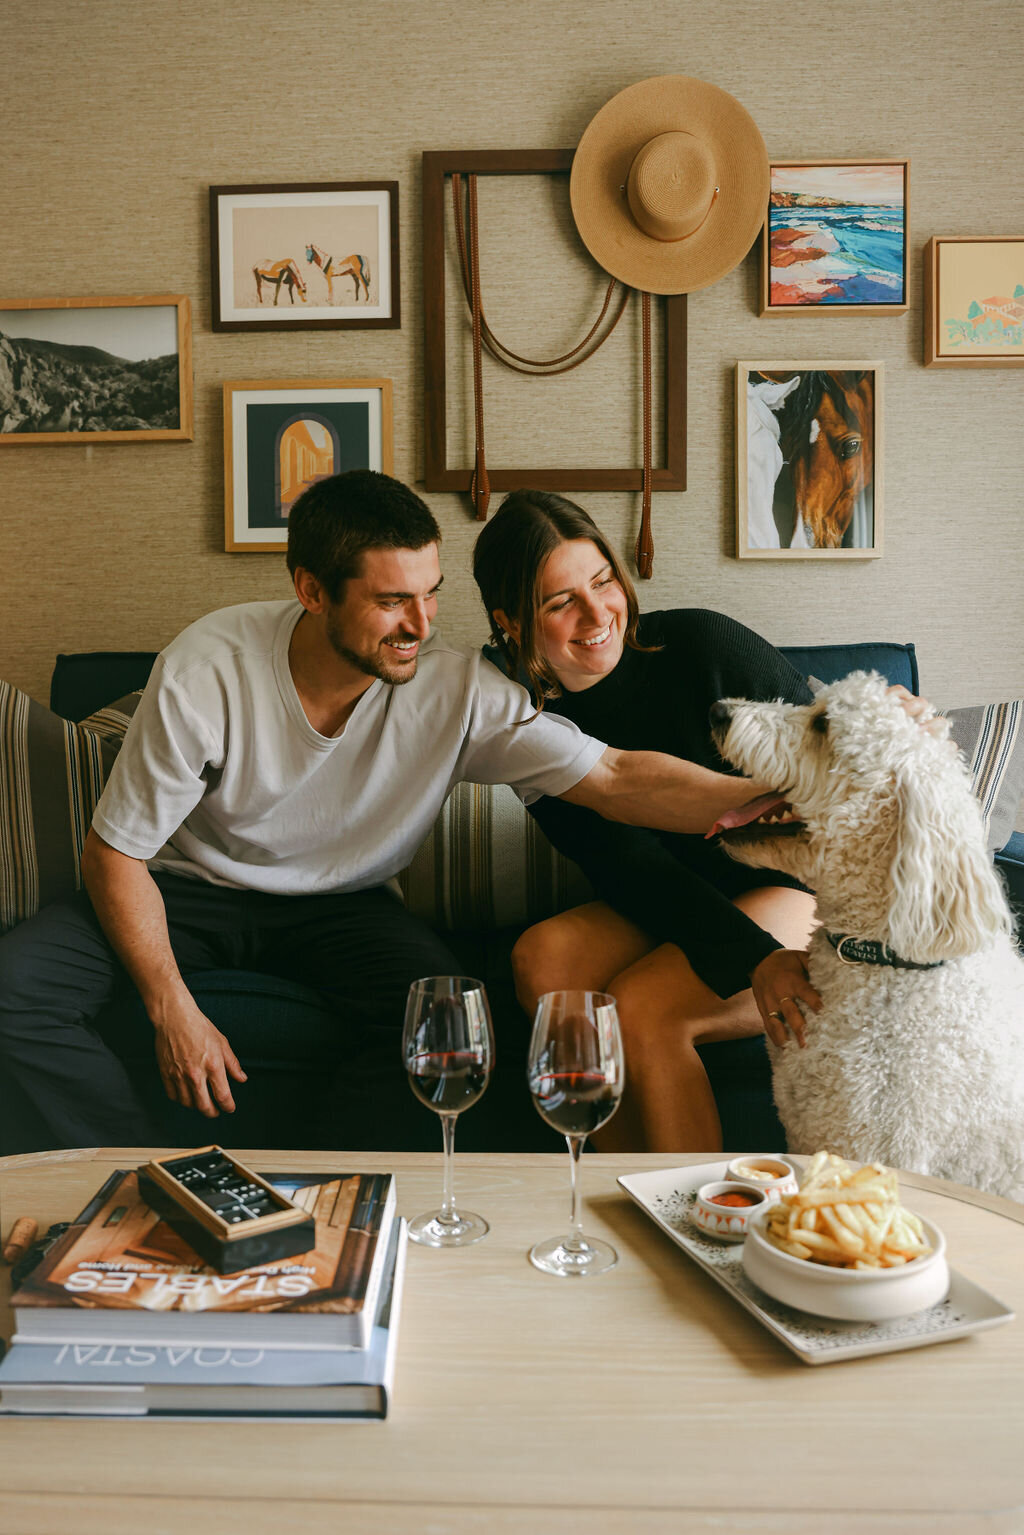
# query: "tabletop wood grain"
x,y
528,1402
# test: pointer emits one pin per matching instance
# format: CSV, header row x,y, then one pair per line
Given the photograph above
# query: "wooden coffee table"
x,y
643,1401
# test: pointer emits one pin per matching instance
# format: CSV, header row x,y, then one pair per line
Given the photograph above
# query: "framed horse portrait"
x,y
85,370
837,238
809,460
319,255
974,301
282,435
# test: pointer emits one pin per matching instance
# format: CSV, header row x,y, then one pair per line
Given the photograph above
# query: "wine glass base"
x,y
573,1257
435,1229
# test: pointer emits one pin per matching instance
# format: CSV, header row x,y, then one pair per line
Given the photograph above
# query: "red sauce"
x,y
738,1201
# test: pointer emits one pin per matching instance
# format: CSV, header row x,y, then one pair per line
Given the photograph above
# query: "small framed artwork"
x,y
974,301
320,255
837,237
809,460
282,435
85,370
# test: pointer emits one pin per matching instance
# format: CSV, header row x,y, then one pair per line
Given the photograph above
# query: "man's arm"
x,y
656,790
195,1059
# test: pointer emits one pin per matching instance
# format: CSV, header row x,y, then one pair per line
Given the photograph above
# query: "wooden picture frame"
x,y
87,370
438,165
799,426
846,248
974,301
281,435
312,255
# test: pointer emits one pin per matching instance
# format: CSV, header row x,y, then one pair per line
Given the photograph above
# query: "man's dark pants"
x,y
58,972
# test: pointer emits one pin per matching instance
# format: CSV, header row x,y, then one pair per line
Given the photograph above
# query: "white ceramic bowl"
x,y
726,1222
847,1295
782,1177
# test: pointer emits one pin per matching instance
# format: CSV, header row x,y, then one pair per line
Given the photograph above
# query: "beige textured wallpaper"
x,y
119,118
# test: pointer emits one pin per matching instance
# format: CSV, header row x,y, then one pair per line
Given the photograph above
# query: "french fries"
x,y
846,1218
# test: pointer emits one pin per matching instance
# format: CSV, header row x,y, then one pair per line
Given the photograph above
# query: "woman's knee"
x,y
540,961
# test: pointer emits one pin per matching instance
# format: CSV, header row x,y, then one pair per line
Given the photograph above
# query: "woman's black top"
x,y
677,888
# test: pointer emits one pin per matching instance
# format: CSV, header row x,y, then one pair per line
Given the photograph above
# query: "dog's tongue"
x,y
744,814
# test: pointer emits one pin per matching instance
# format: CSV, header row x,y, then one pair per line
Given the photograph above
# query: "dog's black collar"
x,y
868,951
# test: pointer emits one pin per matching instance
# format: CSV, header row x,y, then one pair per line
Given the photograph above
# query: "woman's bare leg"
x,y
582,949
666,1010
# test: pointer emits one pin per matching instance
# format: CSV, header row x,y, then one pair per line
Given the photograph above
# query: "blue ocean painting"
x,y
846,253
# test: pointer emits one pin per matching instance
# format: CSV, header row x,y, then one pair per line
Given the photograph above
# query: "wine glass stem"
x,y
448,1195
575,1144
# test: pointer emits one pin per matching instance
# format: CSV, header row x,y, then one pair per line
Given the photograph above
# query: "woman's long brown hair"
x,y
508,559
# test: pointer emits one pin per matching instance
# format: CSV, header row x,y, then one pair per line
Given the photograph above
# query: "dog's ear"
x,y
945,898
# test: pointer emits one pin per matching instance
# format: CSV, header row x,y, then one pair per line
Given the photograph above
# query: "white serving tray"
x,y
667,1197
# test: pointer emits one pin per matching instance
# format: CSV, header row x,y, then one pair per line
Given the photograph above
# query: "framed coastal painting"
x,y
837,238
85,370
320,255
809,460
282,435
974,301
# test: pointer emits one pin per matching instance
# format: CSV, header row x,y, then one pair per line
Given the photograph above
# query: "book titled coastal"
x,y
121,1275
101,1379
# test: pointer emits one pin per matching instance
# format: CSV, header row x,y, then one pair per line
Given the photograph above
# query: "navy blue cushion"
x,y
90,680
830,662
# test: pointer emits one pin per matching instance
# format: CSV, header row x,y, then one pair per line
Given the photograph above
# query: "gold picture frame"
x,y
836,238
88,370
974,301
802,430
281,435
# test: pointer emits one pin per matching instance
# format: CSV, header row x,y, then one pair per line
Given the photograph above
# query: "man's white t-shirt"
x,y
222,777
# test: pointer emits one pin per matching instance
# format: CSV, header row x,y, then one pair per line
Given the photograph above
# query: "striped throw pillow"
x,y
52,773
991,738
487,865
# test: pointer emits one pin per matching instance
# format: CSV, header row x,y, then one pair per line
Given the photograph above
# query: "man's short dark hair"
x,y
336,520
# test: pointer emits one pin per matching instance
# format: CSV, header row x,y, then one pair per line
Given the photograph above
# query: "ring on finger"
x,y
777,1015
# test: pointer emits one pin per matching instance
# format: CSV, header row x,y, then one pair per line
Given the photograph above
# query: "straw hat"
x,y
669,184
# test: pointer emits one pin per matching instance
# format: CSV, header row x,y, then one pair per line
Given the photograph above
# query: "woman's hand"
x,y
778,982
919,709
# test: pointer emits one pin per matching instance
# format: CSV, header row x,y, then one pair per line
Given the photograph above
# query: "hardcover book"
x,y
119,1274
101,1379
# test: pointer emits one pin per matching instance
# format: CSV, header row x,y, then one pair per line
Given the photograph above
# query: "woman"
x,y
694,947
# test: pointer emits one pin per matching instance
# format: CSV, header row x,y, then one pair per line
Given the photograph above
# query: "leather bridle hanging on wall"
x,y
469,261
482,479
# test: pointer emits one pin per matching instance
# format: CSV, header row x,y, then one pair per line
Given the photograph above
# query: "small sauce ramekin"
x,y
774,1175
726,1222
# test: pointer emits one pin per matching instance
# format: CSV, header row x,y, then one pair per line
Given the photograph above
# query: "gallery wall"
x,y
119,120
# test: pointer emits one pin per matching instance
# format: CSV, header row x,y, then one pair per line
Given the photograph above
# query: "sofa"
x,y
484,873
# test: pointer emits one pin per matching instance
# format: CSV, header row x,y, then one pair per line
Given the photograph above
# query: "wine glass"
x,y
576,1074
448,1051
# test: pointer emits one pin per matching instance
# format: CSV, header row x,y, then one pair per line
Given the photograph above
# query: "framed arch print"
x,y
282,435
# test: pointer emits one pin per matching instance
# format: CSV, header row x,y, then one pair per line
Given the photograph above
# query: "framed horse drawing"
x,y
809,460
320,255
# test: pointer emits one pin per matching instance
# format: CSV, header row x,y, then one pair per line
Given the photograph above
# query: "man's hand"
x,y
778,982
195,1062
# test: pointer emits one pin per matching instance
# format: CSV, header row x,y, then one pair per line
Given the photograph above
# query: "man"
x,y
285,762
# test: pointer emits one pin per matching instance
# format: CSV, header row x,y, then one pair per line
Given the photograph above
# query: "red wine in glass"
x,y
448,1053
576,1074
574,1102
447,1081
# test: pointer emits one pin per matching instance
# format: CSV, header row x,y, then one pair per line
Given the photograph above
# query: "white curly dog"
x,y
917,1056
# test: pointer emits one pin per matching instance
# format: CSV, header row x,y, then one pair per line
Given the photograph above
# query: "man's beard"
x,y
370,663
